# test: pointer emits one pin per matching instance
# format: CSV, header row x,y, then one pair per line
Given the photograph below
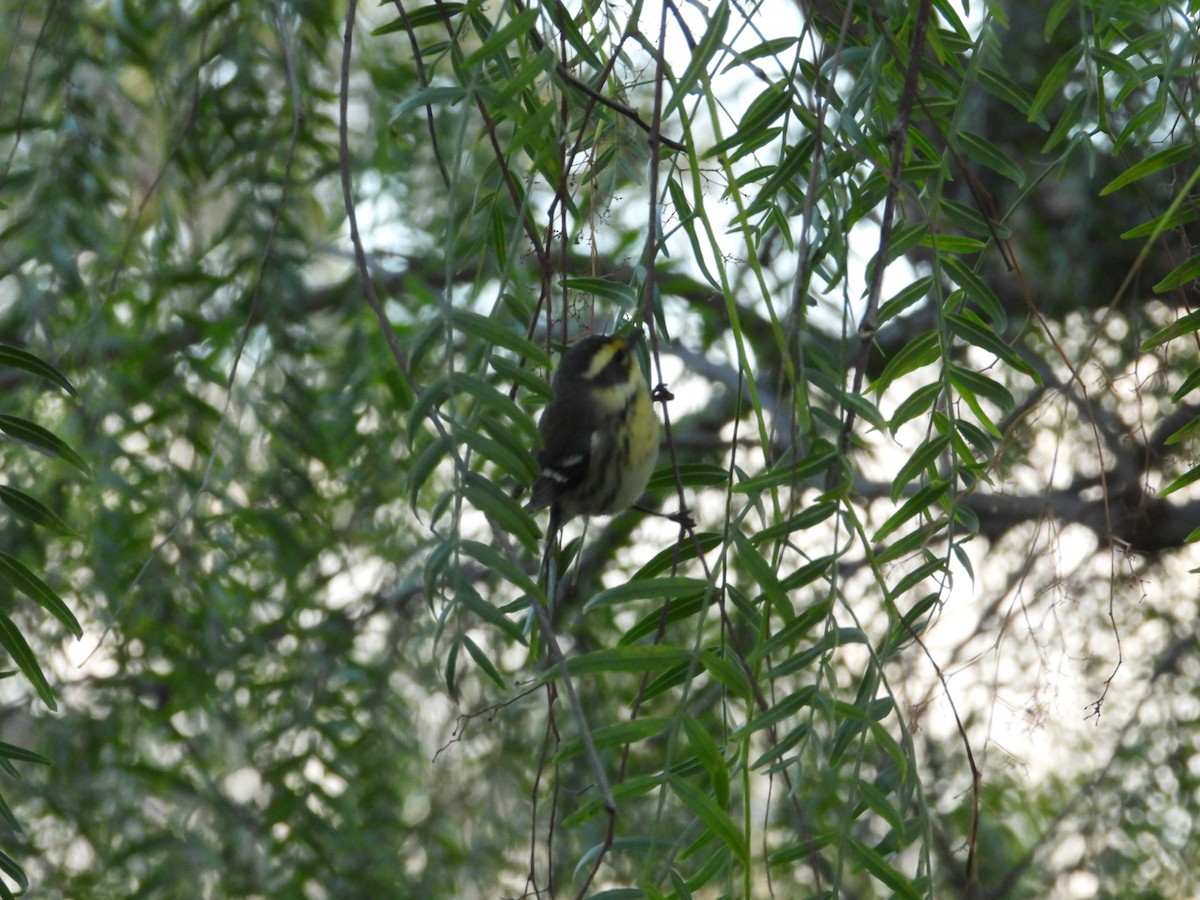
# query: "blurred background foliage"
x,y
921,287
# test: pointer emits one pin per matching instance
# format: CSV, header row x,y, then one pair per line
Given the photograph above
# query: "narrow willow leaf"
x,y
627,659
763,110
879,803
818,460
438,14
15,357
883,871
33,510
728,673
14,642
763,575
916,576
497,43
806,518
968,381
681,609
974,331
632,786
1148,166
647,589
497,333
804,850
706,49
920,351
798,630
501,565
1184,433
922,459
424,463
1168,220
20,577
713,816
690,474
1191,476
915,404
1069,124
913,293
623,295
489,613
563,20
921,502
828,642
39,438
1055,80
953,243
988,154
773,715
444,95
1183,325
1189,384
977,290
666,558
481,660
1185,273
998,84
710,757
9,867
632,731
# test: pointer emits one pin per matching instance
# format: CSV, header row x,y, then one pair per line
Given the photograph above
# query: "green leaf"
x,y
1189,384
1187,324
14,642
970,328
977,289
923,501
920,351
988,154
438,14
883,871
423,465
923,458
1185,273
15,357
998,84
818,460
442,95
647,589
490,558
971,383
15,573
915,404
915,292
1054,81
622,295
38,437
481,660
1191,476
953,243
488,329
637,659
786,707
709,755
1148,166
33,510
916,576
632,731
706,49
715,818
497,43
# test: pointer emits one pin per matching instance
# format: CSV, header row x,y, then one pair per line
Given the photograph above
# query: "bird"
x,y
599,432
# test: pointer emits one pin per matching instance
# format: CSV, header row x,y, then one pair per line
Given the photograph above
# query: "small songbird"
x,y
600,432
